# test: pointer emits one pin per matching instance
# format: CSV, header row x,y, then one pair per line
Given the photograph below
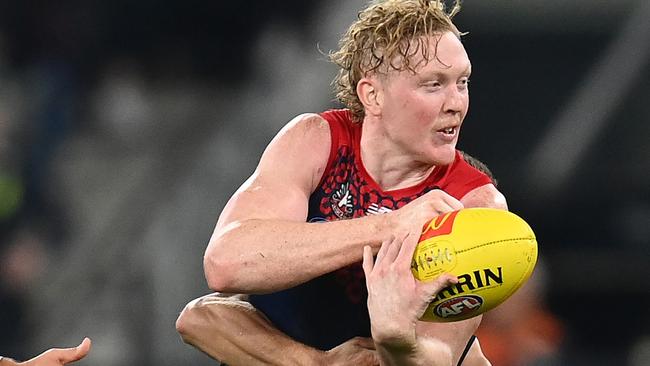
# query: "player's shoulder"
x,y
486,195
299,152
319,133
330,121
306,126
485,192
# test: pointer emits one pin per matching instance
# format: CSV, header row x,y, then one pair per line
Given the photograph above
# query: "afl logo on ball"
x,y
457,306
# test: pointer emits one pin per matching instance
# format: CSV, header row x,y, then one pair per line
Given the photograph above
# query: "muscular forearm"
x,y
259,256
232,331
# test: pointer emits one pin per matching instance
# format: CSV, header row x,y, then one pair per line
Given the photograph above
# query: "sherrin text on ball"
x,y
492,252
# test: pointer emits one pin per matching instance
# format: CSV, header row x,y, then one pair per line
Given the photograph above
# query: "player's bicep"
x,y
287,173
262,198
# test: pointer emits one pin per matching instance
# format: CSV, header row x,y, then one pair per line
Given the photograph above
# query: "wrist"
x,y
398,223
395,338
396,351
383,226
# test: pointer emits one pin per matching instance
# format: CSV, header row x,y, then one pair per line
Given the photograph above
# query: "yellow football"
x,y
492,252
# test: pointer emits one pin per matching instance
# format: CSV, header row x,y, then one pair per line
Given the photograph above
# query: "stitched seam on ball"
x,y
490,243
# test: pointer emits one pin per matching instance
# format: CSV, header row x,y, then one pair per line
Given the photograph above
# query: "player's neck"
x,y
390,167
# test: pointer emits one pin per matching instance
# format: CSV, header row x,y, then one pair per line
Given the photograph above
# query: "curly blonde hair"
x,y
387,33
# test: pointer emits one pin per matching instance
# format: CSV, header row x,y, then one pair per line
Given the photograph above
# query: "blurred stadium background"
x,y
125,126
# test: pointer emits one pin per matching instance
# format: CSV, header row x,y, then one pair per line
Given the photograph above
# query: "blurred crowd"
x,y
32,222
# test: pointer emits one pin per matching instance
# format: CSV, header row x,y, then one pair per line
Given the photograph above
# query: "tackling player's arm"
x,y
231,330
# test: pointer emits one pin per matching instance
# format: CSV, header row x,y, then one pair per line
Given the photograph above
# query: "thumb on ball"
x,y
431,288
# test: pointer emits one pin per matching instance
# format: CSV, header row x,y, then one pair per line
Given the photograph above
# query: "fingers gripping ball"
x,y
492,252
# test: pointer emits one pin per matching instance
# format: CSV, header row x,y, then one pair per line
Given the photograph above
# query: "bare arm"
x,y
406,340
229,329
204,321
261,241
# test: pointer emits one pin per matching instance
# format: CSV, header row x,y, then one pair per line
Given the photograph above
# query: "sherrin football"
x,y
492,252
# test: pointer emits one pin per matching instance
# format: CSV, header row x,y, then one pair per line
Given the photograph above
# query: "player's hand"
x,y
411,217
60,356
396,299
357,351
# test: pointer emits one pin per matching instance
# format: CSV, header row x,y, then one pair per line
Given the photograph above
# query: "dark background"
x,y
124,127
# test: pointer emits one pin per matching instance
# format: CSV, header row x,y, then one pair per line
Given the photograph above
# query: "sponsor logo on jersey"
x,y
341,201
375,209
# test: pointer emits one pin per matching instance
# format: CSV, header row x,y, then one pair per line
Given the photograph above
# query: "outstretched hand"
x,y
60,356
396,299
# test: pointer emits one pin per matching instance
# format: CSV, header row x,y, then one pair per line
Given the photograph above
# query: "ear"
x,y
369,92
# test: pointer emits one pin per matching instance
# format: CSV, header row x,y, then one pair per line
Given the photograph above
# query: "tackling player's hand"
x,y
396,299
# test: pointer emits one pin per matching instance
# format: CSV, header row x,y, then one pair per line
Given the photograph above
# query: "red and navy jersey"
x,y
331,309
346,190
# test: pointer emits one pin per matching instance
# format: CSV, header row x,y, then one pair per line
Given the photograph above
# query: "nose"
x,y
455,100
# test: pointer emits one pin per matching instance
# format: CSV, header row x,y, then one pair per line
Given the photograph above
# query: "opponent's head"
x,y
480,166
389,35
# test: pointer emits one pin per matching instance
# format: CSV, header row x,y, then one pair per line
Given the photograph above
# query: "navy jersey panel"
x,y
315,313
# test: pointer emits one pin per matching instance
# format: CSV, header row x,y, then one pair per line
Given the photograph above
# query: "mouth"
x,y
448,134
448,130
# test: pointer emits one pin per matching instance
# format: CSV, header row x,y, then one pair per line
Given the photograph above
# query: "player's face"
x,y
423,112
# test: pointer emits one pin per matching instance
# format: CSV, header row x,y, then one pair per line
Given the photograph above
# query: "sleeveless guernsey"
x,y
331,309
